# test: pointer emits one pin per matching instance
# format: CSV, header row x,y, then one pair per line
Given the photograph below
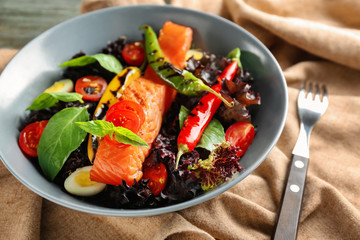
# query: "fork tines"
x,y
308,90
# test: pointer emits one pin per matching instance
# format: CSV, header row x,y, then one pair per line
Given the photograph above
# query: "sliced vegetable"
x,y
134,53
126,114
194,53
79,183
157,175
128,106
61,136
30,137
123,118
107,61
181,80
46,100
115,90
240,134
201,115
65,85
91,87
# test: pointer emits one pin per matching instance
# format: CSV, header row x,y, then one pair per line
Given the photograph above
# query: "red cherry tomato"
x,y
128,105
91,87
240,134
134,53
30,137
124,114
157,175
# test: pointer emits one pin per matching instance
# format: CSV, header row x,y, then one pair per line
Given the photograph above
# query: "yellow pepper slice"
x,y
111,96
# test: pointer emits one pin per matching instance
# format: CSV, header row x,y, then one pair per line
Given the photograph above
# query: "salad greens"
x,y
220,166
212,135
108,62
46,100
61,136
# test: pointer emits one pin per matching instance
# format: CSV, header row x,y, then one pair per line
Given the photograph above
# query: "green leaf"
x,y
79,62
235,55
126,136
213,134
60,138
46,100
183,114
102,128
98,128
107,61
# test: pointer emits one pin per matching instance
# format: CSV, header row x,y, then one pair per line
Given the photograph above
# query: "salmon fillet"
x,y
112,164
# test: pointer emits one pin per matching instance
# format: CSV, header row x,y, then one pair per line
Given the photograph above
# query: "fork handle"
x,y
288,221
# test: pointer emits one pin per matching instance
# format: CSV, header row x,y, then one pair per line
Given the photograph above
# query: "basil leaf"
x,y
183,114
79,62
61,137
213,134
235,55
98,128
102,128
46,100
107,61
126,136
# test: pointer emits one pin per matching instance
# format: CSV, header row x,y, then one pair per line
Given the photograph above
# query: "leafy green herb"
x,y
235,55
107,61
46,100
101,128
183,114
212,135
98,128
61,137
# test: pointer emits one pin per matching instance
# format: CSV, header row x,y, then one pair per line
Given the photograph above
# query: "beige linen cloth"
x,y
313,40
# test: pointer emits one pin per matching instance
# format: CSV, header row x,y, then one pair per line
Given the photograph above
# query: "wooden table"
x,y
23,20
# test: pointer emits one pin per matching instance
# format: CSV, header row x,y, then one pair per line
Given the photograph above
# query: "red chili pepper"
x,y
201,115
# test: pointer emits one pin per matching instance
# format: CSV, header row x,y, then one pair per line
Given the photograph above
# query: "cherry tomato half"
x,y
134,53
91,87
128,105
240,134
30,137
125,114
157,175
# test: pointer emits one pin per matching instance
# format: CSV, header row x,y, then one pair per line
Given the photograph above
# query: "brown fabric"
x,y
312,40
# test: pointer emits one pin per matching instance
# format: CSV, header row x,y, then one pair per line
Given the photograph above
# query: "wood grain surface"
x,y
23,20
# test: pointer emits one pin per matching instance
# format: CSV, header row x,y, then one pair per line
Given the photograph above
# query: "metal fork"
x,y
310,109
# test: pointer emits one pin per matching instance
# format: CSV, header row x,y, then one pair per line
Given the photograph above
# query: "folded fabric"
x,y
313,41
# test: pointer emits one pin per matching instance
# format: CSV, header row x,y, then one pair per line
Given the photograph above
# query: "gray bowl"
x,y
35,67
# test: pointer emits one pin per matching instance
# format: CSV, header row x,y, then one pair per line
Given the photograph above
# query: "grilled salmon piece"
x,y
113,164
